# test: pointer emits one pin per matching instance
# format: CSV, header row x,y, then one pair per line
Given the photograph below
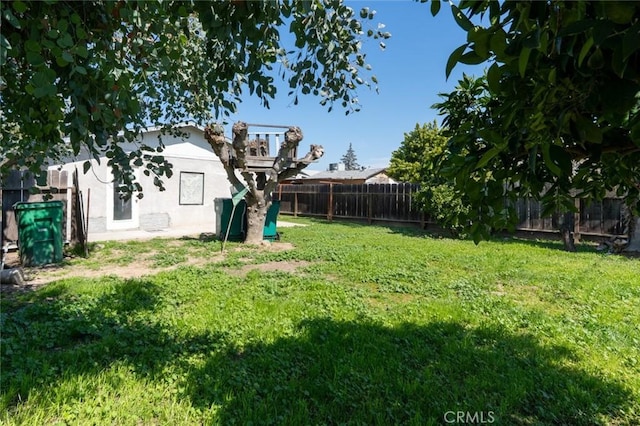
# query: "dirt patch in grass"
x,y
383,300
39,276
289,266
279,266
99,265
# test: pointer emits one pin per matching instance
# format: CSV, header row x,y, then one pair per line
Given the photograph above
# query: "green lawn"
x,y
355,325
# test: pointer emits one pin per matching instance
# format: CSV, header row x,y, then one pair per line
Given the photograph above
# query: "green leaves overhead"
x,y
320,67
88,71
619,12
461,19
523,61
435,7
454,58
556,112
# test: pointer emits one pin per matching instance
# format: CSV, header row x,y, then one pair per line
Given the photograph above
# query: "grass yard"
x,y
347,324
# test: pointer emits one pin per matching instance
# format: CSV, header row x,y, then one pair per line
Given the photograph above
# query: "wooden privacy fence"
x,y
371,202
18,186
599,218
397,203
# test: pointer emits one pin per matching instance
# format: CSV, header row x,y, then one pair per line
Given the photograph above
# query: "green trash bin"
x,y
270,232
40,232
236,229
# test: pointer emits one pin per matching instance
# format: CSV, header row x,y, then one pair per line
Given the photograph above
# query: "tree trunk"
x,y
567,239
256,216
259,184
634,235
565,225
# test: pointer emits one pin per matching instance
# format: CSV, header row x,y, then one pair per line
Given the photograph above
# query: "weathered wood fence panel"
x,y
602,217
371,202
396,203
18,187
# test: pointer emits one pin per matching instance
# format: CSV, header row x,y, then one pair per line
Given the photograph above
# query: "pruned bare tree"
x,y
247,167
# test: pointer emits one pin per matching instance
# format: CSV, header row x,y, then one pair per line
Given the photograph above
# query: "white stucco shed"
x,y
188,201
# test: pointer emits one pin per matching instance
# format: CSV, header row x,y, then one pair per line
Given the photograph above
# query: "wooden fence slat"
x,y
397,203
17,186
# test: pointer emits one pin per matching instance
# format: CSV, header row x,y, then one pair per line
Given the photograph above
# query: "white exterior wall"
x,y
158,209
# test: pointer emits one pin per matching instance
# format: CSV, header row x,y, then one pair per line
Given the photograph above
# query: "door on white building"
x,y
121,213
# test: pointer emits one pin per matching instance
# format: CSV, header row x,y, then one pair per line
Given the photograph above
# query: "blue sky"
x,y
410,72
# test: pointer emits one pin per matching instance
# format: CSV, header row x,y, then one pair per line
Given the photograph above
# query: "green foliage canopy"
x,y
557,113
99,72
417,161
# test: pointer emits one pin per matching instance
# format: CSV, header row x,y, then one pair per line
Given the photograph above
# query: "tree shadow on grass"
x,y
354,373
325,372
549,241
205,237
49,336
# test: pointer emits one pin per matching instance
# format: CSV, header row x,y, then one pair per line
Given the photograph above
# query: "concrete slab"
x,y
139,234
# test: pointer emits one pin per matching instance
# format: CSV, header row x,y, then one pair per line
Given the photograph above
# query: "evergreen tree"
x,y
350,160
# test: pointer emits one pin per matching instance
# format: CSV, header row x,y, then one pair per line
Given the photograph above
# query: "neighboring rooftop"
x,y
348,174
